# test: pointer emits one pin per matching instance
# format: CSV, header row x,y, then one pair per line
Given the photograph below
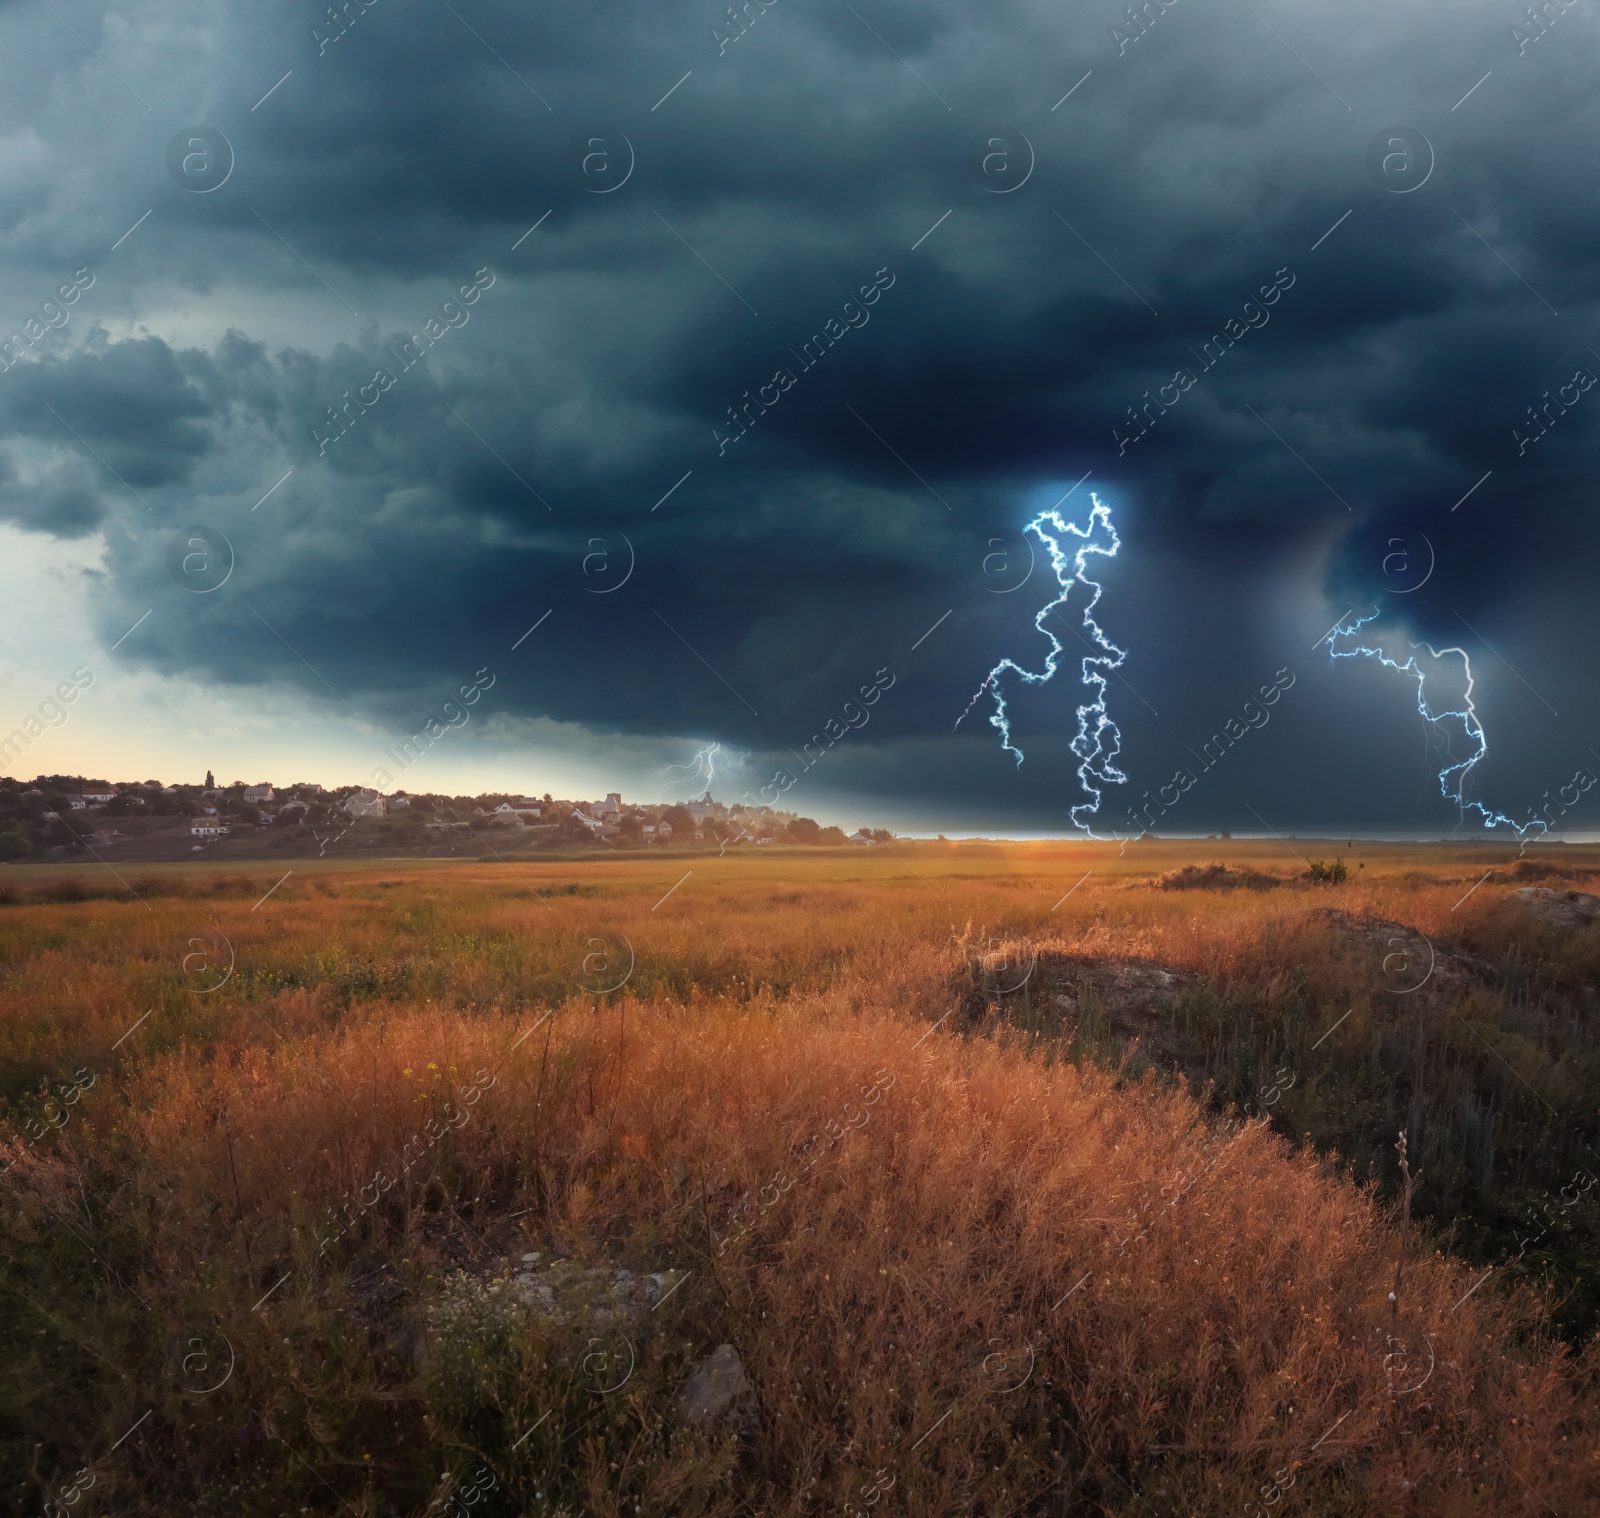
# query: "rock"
x,y
566,1292
1561,909
716,1384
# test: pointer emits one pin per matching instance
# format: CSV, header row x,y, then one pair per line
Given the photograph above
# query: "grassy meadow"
x,y
1021,1178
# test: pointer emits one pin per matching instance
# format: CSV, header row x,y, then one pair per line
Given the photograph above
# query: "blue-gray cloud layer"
x,y
745,246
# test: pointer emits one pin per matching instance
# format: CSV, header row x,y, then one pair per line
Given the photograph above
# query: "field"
x,y
1017,1178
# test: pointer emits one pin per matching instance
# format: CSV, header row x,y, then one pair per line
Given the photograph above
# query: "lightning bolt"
x,y
1098,739
1467,716
701,771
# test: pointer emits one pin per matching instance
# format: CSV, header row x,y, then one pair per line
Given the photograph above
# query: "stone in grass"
x,y
566,1292
715,1385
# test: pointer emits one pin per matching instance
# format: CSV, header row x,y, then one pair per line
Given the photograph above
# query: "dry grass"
x,y
1005,1282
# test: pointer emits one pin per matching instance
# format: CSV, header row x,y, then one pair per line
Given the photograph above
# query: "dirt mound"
x,y
1561,909
1120,1001
1115,984
1405,957
1218,877
1537,869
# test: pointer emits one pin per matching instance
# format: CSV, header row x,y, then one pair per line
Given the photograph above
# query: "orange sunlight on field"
x,y
403,1182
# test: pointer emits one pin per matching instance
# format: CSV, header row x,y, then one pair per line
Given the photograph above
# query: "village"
x,y
58,816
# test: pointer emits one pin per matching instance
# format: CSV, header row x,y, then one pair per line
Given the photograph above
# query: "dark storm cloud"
x,y
1346,378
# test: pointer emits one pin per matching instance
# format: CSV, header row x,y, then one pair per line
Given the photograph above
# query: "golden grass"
x,y
1000,1281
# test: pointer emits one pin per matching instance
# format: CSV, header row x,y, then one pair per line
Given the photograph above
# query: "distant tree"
x,y
681,820
15,843
802,830
573,831
631,828
210,781
831,836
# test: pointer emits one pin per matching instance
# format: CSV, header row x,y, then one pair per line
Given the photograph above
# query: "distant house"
x,y
257,793
99,798
504,816
207,827
610,807
364,803
663,831
77,804
104,836
305,785
209,811
397,802
523,813
760,841
648,832
596,827
862,836
299,808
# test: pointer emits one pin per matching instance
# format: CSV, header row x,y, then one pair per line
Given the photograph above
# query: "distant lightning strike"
x,y
702,770
1467,717
1098,740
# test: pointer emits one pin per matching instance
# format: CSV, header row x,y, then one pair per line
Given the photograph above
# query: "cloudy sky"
x,y
732,353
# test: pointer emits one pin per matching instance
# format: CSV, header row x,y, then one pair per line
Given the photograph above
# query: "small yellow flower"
x,y
406,1071
432,1066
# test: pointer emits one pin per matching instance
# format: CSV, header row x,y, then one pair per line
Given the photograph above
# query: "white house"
x,y
364,803
257,793
99,798
207,827
76,804
610,807
397,802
